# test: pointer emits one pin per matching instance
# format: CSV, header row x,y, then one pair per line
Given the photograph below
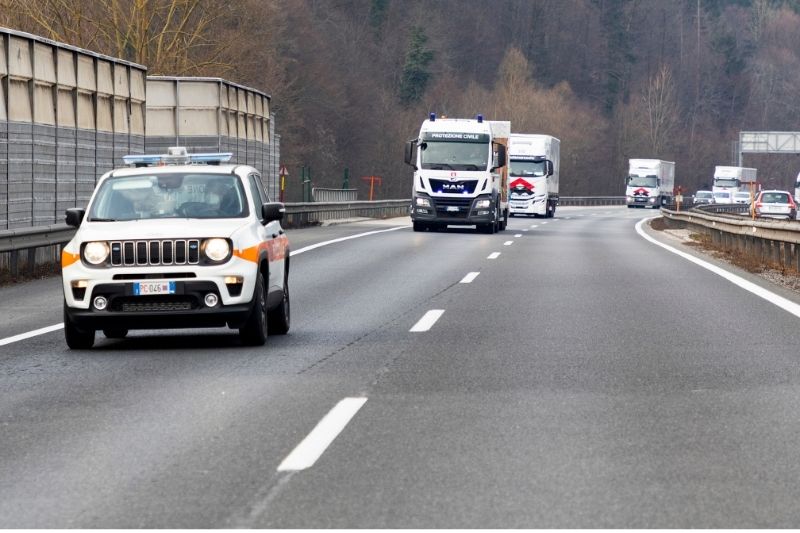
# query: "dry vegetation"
x,y
351,81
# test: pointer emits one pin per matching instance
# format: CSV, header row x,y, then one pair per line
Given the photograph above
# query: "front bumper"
x,y
528,207
453,210
184,309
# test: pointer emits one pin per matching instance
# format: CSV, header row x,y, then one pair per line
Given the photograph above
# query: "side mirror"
x,y
501,157
410,154
270,212
549,168
74,217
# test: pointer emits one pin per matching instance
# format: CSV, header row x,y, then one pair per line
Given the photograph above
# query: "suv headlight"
x,y
216,249
422,202
96,253
482,204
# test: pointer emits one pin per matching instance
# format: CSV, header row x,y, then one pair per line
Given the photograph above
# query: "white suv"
x,y
176,241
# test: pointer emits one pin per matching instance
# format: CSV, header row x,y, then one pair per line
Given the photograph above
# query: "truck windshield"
x,y
726,182
642,181
169,196
527,168
438,155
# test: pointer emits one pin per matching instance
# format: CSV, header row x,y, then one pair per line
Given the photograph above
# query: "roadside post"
x,y
283,173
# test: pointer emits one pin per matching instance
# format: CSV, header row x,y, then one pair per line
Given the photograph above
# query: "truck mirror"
x,y
410,153
501,157
549,168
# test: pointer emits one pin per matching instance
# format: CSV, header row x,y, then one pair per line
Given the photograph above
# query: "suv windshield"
x,y
179,195
703,194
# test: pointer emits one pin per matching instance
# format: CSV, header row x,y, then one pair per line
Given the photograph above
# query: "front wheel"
x,y
279,319
254,331
77,338
420,226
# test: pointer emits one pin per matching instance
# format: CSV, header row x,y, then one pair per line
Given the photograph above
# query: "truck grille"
x,y
149,253
445,207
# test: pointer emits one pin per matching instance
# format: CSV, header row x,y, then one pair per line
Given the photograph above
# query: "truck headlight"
x,y
216,249
423,202
96,253
482,204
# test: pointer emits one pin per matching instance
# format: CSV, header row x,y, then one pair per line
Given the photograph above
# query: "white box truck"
x,y
650,182
534,161
733,179
460,173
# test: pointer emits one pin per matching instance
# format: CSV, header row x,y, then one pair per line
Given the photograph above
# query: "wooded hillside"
x,y
351,80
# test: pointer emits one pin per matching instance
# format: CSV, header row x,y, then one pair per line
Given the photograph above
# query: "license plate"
x,y
145,288
452,209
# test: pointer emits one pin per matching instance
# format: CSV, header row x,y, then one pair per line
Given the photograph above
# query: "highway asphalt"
x,y
584,377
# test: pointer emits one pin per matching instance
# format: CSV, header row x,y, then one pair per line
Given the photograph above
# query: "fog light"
x,y
422,211
100,303
211,299
231,280
483,213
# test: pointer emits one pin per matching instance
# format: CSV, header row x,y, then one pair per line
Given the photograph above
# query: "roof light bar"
x,y
177,155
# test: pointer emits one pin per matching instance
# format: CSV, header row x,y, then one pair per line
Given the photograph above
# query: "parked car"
x,y
723,197
703,197
741,197
776,204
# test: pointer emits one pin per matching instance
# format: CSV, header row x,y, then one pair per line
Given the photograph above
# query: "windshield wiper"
x,y
103,220
471,167
441,166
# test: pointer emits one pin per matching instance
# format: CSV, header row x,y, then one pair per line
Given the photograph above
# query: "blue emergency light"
x,y
177,155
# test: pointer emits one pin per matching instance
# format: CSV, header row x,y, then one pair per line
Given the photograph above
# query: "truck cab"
x,y
460,174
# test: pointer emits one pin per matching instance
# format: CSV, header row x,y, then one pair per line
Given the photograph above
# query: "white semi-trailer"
x,y
460,173
534,161
650,182
733,179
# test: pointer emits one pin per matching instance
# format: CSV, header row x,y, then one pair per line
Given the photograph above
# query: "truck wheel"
x,y
77,339
279,319
254,331
420,226
113,333
486,228
504,222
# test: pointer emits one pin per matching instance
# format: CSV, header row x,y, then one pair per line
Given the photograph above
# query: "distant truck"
x,y
733,179
534,161
650,182
460,174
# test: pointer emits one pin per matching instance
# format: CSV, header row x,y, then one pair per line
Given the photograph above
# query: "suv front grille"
x,y
150,304
149,253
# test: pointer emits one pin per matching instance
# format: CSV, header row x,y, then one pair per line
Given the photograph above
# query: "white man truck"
x,y
533,174
460,174
733,179
650,182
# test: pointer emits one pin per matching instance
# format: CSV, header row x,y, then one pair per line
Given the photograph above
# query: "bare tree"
x,y
660,108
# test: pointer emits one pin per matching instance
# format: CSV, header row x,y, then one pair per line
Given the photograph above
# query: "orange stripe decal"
x,y
67,259
248,254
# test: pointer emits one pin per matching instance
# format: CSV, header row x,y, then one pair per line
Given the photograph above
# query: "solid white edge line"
x,y
761,292
493,255
469,278
314,445
29,334
342,239
427,321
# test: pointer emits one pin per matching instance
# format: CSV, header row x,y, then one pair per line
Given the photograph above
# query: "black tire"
x,y
503,222
115,333
486,228
254,331
279,319
77,339
420,226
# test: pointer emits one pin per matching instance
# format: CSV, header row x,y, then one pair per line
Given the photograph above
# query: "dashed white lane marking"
x,y
341,239
568,218
29,334
535,226
48,329
469,278
761,292
526,229
508,243
518,235
427,321
314,445
544,222
493,255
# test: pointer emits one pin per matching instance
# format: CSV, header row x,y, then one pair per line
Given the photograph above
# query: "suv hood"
x,y
163,228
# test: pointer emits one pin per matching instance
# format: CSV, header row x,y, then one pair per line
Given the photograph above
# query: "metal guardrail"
x,y
320,194
591,200
773,241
